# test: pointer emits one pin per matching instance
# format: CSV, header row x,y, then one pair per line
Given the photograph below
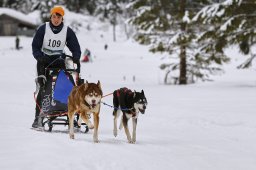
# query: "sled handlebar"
x,y
67,56
56,69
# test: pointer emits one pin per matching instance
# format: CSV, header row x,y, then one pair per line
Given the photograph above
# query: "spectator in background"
x,y
17,43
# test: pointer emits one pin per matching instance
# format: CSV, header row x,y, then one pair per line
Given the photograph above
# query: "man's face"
x,y
56,19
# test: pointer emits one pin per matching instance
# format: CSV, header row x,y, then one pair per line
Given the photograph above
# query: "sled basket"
x,y
57,89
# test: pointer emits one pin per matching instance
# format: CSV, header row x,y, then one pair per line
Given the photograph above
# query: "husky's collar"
x,y
87,104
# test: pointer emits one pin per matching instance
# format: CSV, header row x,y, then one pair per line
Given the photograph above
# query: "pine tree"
x,y
233,23
111,10
90,6
11,4
19,5
45,7
166,26
79,5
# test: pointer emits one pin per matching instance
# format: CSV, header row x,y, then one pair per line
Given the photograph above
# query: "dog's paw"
x,y
134,140
96,141
115,133
72,136
131,142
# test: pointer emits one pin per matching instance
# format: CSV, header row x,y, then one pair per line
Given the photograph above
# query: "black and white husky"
x,y
130,104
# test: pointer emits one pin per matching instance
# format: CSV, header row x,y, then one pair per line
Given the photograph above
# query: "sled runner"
x,y
54,96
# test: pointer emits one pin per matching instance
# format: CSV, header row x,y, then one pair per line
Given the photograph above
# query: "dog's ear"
x,y
86,82
85,86
99,85
142,92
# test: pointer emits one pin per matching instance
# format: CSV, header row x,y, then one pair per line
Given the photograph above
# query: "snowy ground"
x,y
205,126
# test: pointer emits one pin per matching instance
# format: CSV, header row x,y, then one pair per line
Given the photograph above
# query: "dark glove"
x,y
63,56
44,59
76,60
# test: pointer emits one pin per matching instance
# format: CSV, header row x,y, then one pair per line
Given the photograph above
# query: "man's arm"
x,y
73,44
38,42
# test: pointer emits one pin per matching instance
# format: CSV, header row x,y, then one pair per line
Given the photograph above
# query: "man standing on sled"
x,y
48,48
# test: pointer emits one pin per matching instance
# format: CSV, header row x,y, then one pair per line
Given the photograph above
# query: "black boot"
x,y
37,110
35,123
38,123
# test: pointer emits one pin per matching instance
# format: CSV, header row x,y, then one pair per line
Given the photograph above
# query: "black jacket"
x,y
71,41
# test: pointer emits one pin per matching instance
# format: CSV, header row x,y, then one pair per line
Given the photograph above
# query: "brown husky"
x,y
85,99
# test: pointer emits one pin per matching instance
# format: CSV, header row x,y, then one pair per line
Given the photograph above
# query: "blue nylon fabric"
x,y
62,88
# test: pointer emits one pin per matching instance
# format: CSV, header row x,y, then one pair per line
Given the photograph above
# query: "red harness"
x,y
124,90
128,92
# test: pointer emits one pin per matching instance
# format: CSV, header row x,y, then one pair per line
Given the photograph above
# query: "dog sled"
x,y
54,95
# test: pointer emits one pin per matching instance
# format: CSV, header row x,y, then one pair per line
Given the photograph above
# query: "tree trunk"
x,y
114,28
183,65
77,6
114,32
183,62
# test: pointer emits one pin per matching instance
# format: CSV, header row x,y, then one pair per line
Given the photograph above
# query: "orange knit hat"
x,y
57,9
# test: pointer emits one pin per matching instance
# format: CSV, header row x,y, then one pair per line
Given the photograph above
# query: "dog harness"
x,y
126,91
